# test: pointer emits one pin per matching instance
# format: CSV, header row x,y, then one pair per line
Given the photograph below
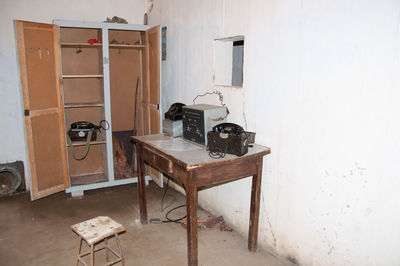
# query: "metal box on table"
x,y
198,119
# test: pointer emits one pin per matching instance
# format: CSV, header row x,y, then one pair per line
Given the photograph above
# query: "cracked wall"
x,y
321,88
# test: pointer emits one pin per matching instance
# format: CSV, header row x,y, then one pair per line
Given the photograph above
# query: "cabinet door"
x,y
39,60
151,99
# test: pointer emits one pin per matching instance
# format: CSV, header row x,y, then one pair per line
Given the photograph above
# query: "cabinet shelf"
x,y
82,76
82,105
134,46
80,44
88,178
111,45
83,143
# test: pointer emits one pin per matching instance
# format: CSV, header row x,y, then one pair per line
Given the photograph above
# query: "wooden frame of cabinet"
x,y
147,102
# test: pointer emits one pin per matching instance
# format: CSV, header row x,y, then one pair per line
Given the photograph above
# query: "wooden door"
x,y
39,60
150,95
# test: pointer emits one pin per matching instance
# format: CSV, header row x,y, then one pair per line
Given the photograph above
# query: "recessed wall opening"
x,y
228,61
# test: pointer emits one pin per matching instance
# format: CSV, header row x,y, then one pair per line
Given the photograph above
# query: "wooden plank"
x,y
83,143
131,46
45,111
61,115
155,160
153,36
82,76
93,163
82,105
217,174
88,178
141,185
255,206
80,44
191,212
83,91
124,75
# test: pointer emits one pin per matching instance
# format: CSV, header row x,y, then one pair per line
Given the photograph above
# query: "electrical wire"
x,y
221,99
174,220
163,197
169,220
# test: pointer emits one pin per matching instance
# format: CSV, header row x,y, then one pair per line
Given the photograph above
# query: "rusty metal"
x,y
210,223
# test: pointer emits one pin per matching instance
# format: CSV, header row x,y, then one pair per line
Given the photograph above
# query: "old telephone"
x,y
228,138
175,112
80,131
228,128
84,131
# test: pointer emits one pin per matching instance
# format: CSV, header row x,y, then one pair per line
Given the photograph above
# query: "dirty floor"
x,y
38,232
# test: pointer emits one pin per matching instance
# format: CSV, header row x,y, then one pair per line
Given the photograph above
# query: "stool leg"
x,y
107,251
92,255
120,249
79,251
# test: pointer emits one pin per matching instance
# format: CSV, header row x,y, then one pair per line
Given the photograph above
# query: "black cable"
x,y
169,220
163,196
101,126
162,200
176,220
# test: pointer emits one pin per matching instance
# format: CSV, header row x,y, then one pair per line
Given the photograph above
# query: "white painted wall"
x,y
12,132
321,88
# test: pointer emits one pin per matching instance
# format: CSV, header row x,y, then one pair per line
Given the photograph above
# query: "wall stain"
x,y
292,260
268,221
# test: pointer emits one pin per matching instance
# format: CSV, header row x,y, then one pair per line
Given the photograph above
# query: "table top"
x,y
189,154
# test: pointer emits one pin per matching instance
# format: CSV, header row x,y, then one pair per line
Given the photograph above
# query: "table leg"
x,y
141,185
191,211
255,206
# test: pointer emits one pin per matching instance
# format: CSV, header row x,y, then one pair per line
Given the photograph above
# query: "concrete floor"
x,y
38,232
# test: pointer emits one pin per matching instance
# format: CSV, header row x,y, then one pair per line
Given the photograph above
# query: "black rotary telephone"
x,y
84,131
228,128
227,138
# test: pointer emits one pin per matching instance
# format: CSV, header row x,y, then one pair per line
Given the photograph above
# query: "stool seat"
x,y
96,229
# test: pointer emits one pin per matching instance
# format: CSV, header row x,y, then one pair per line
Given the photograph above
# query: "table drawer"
x,y
163,164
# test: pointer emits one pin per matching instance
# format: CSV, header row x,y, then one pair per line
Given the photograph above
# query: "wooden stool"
x,y
94,231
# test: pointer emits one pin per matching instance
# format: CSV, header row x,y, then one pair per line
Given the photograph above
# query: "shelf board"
x,y
83,143
135,46
82,105
82,76
80,44
88,178
111,45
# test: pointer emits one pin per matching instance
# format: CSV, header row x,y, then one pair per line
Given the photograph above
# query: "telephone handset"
x,y
228,128
175,112
82,125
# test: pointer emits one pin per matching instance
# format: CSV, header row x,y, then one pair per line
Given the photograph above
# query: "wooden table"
x,y
190,166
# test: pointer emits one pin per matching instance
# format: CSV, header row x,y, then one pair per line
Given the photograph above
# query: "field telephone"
x,y
228,138
84,131
228,128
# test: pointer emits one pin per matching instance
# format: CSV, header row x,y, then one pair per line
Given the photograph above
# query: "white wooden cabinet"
x,y
85,71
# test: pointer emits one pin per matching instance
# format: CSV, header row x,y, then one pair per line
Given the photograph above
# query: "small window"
x,y
228,61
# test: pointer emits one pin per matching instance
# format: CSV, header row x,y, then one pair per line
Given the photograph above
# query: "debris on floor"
x,y
210,223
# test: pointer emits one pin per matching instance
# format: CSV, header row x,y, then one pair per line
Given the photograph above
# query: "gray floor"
x,y
38,232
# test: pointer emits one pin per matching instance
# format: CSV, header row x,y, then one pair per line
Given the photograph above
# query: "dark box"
x,y
231,143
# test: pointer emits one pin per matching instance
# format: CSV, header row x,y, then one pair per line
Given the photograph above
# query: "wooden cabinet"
x,y
82,71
